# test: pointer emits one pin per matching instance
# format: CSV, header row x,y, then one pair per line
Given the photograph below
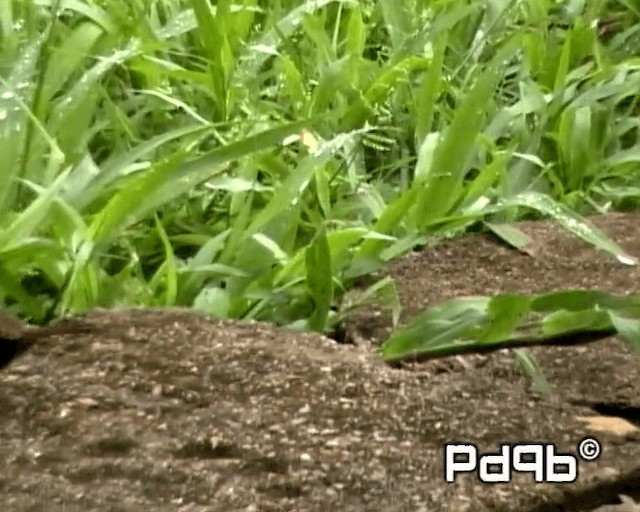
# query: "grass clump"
x,y
253,159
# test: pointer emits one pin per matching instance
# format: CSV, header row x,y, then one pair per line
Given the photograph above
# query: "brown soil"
x,y
167,410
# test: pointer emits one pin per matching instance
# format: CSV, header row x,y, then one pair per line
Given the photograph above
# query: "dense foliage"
x,y
256,158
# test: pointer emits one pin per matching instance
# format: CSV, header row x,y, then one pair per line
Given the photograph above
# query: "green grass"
x,y
516,320
152,154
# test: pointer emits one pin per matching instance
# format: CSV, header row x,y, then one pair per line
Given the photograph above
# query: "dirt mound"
x,y
167,410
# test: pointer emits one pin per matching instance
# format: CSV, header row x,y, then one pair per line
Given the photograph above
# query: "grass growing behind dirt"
x,y
255,159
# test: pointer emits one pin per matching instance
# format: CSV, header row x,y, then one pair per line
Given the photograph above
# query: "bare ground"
x,y
167,410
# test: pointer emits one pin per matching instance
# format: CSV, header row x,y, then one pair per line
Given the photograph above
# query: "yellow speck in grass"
x,y
309,141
